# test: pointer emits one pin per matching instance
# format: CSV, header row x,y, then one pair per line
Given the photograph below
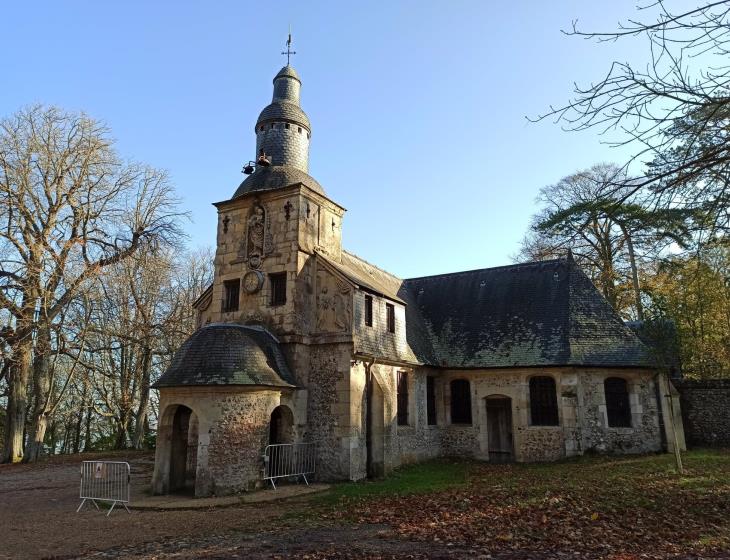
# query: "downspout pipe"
x,y
369,416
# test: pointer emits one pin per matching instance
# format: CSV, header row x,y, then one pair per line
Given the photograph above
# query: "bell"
x,y
248,169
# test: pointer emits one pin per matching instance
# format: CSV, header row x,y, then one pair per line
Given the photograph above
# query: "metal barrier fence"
x,y
285,460
105,480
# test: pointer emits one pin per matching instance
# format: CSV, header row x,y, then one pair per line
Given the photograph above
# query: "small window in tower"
x,y
300,130
369,311
230,295
307,135
261,128
278,288
390,312
287,126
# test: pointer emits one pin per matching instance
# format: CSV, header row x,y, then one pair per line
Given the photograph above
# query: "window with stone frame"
x,y
402,390
390,315
431,417
618,408
231,292
368,311
278,288
543,401
460,401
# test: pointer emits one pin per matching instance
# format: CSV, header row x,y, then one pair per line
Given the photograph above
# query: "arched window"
x,y
618,408
543,401
460,402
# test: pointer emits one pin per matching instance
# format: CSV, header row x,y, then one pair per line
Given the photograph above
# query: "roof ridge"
x,y
373,265
505,266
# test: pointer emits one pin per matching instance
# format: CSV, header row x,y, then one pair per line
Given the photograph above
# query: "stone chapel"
x,y
299,340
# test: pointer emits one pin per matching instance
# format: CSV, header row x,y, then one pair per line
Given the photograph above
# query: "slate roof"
x,y
367,276
228,354
284,111
276,177
544,313
289,72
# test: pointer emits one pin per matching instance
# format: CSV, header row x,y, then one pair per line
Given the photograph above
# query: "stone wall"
x,y
706,411
294,222
232,430
581,408
329,411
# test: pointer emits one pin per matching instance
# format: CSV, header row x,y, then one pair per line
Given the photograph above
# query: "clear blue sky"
x,y
418,108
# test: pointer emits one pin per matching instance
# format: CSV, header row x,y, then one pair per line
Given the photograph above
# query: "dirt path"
x,y
39,520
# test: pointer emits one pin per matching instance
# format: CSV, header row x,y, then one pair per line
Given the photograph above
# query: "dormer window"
x,y
368,311
390,315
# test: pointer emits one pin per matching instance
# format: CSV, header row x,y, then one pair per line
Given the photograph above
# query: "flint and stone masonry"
x,y
299,340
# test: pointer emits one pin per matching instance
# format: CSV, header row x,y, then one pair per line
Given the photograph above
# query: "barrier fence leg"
x,y
84,501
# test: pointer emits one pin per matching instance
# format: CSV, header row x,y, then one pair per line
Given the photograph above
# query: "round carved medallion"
x,y
253,280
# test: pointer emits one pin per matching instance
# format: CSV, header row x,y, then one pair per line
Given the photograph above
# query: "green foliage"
x,y
694,292
420,478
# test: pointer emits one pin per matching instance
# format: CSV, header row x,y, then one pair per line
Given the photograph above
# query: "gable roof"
x,y
544,313
366,275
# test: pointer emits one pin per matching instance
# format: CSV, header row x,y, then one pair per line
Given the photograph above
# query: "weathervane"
x,y
288,52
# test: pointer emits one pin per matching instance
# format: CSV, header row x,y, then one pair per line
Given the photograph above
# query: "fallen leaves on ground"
x,y
612,509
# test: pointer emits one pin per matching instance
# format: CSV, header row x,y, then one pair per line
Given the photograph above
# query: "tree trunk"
x,y
79,422
122,431
52,432
144,398
19,376
87,437
634,274
42,390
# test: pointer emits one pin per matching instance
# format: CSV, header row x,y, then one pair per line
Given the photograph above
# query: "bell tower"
x,y
282,129
274,225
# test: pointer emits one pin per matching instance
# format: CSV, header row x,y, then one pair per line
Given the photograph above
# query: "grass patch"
x,y
421,478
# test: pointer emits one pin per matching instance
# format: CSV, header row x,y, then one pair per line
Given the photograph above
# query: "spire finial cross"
x,y
288,52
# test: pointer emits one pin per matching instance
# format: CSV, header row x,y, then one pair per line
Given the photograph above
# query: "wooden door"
x,y
499,429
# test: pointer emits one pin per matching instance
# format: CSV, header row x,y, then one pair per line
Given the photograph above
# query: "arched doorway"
x,y
499,429
281,425
183,450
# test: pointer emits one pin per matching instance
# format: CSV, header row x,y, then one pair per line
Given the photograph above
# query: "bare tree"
x,y
674,111
69,208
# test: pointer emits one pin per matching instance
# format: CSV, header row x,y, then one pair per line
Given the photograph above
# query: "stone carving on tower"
x,y
334,309
258,241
